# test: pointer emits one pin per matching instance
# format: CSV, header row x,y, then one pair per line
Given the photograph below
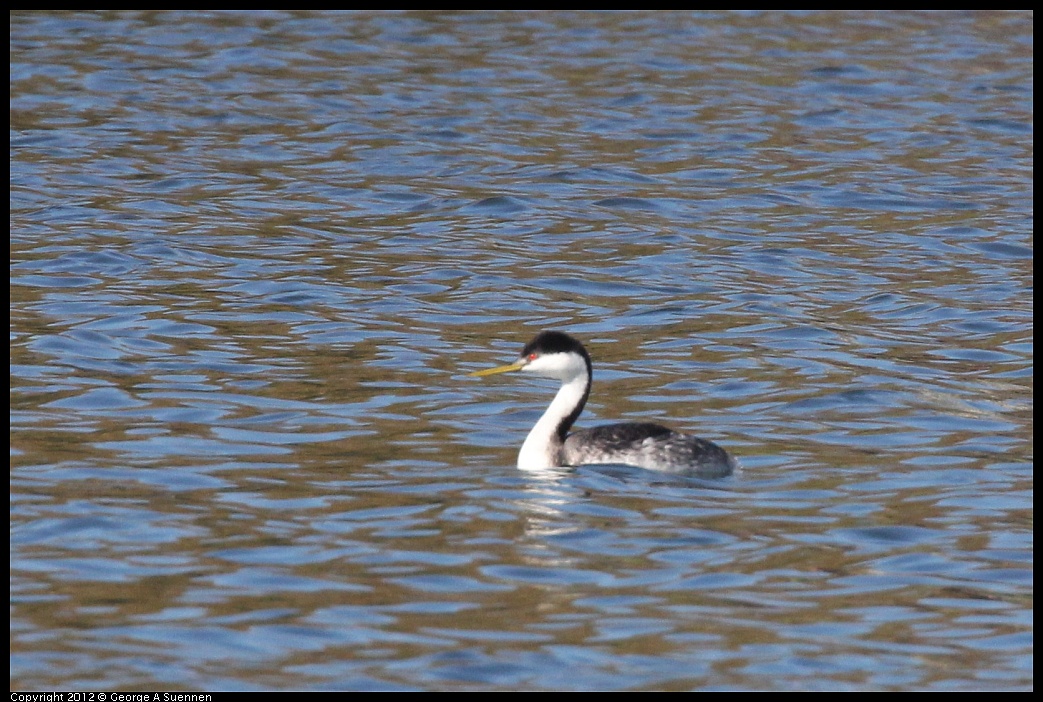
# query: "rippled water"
x,y
254,254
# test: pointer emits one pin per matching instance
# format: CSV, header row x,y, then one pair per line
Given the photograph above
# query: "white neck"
x,y
542,448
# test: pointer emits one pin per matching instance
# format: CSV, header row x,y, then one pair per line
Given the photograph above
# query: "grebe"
x,y
554,354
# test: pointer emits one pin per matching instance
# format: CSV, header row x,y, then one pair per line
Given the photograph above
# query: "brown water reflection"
x,y
253,256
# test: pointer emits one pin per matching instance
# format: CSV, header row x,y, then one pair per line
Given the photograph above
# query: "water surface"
x,y
253,256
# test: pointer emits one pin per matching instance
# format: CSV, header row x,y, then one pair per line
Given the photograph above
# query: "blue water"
x,y
254,255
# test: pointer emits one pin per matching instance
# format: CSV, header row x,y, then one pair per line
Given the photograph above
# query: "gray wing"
x,y
649,446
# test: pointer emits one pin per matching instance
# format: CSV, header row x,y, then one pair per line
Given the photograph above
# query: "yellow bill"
x,y
517,365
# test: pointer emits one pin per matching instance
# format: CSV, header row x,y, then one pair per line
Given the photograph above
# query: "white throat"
x,y
542,448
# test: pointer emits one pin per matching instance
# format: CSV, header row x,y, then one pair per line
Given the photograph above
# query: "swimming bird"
x,y
554,354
